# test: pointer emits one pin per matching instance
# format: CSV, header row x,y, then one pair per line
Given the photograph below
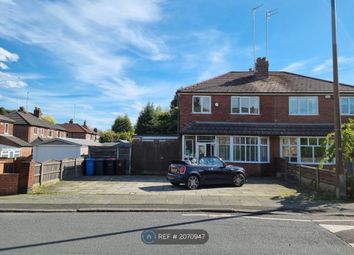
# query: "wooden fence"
x,y
312,177
58,170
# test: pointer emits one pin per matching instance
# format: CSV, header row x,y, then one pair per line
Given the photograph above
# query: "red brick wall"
x,y
2,128
272,109
26,152
255,169
9,184
27,133
26,170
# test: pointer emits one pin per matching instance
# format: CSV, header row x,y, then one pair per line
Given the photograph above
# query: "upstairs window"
x,y
347,105
244,105
201,104
35,130
6,128
304,105
50,132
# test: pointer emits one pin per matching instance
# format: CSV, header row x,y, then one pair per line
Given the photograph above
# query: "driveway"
x,y
158,185
154,192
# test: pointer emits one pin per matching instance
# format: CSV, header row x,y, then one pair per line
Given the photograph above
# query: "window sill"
x,y
304,115
252,114
201,112
247,162
311,163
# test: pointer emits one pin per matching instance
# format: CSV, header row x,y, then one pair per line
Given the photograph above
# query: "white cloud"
x,y
11,82
3,66
6,56
87,35
326,66
296,66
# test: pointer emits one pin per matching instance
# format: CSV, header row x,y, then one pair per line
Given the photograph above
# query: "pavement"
x,y
227,233
154,193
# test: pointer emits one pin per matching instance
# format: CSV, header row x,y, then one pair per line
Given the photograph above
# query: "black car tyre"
x,y
175,183
193,182
238,180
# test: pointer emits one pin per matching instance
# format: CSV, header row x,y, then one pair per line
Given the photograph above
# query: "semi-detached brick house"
x,y
250,118
32,128
78,131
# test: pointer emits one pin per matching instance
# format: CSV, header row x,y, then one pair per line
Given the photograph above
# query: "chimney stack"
x,y
85,123
261,68
71,121
37,112
21,109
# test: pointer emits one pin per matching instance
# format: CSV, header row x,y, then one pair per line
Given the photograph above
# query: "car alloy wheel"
x,y
238,180
193,182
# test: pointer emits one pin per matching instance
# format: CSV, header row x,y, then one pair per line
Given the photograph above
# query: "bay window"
x,y
307,150
250,149
224,147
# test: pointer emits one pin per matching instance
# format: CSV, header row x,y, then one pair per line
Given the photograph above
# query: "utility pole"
x,y
268,15
27,100
74,113
341,182
254,31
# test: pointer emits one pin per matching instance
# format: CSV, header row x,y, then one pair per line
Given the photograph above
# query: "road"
x,y
120,233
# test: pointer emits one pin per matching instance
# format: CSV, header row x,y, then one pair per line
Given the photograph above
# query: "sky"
x,y
95,60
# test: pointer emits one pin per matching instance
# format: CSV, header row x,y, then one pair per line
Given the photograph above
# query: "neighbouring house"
x,y
76,130
249,118
61,148
11,146
32,128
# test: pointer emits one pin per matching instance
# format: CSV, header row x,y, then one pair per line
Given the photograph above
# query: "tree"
x,y
157,121
122,124
50,119
347,144
174,102
4,111
108,136
146,120
111,136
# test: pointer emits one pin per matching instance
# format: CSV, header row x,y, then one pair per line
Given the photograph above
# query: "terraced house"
x,y
250,118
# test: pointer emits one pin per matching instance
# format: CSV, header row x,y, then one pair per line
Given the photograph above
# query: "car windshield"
x,y
211,162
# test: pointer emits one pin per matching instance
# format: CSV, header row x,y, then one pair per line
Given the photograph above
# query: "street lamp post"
x,y
341,183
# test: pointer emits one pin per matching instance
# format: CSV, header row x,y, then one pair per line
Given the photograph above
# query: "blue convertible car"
x,y
209,170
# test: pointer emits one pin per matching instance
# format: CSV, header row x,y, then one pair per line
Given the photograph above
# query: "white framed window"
x,y
35,130
245,105
201,104
347,105
10,153
250,149
303,105
224,147
189,147
50,133
41,130
6,128
306,150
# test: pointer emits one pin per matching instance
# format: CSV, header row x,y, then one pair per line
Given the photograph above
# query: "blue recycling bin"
x,y
90,166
